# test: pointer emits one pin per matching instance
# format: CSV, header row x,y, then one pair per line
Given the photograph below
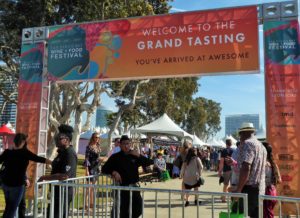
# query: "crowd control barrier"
x,y
155,203
280,200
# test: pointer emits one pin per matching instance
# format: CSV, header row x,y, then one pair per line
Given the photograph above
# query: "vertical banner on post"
x,y
282,64
29,100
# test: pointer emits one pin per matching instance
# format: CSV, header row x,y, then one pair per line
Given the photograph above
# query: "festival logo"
x,y
31,67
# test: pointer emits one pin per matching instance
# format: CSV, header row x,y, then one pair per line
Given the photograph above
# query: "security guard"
x,y
123,167
64,166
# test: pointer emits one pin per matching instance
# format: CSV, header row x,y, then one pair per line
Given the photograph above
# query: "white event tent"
x,y
162,126
233,140
197,142
215,143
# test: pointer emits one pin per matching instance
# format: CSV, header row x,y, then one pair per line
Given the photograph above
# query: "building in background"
x,y
101,116
10,112
234,122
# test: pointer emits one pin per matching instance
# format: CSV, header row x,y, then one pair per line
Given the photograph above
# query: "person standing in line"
x,y
191,171
123,167
252,160
183,153
159,165
64,166
116,147
273,178
224,168
15,164
92,166
232,161
176,164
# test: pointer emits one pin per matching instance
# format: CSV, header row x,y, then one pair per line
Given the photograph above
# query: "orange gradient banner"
x,y
29,102
183,44
282,63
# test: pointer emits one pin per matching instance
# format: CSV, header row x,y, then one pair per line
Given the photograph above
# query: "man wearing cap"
x,y
123,167
251,162
64,166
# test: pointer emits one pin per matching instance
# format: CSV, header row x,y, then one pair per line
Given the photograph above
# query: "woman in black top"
x,y
15,164
92,164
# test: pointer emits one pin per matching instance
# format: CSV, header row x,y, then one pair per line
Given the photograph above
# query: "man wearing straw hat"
x,y
251,162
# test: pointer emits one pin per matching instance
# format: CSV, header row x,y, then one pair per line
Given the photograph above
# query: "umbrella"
x,y
7,135
4,130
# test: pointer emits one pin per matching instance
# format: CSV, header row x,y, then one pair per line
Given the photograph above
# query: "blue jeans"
x,y
13,196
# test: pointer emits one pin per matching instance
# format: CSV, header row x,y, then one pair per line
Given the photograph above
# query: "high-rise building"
x,y
101,116
234,122
10,111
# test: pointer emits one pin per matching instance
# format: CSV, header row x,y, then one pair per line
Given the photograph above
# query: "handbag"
x,y
165,175
232,214
200,181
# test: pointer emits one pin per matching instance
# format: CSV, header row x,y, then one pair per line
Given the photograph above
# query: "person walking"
x,y
225,168
123,167
183,153
15,163
92,166
252,160
191,172
64,166
273,178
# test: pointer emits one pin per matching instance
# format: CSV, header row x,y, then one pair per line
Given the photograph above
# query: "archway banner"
x,y
29,101
183,44
282,64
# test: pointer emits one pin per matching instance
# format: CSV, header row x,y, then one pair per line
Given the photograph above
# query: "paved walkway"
x,y
176,207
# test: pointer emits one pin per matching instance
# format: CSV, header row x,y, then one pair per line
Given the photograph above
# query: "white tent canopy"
x,y
214,143
87,135
222,143
163,126
233,140
197,142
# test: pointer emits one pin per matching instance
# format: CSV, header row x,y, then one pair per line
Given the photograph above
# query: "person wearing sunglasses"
x,y
64,166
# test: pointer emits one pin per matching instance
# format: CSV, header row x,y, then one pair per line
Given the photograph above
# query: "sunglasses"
x,y
96,137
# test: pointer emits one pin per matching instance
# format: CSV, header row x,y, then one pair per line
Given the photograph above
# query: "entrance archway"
x,y
178,45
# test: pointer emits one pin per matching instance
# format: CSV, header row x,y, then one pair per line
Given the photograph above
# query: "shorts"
x,y
191,186
227,177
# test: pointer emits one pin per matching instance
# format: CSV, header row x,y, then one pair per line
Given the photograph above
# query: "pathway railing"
x,y
107,195
280,200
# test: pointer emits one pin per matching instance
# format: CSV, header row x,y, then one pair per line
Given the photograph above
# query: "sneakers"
x,y
187,204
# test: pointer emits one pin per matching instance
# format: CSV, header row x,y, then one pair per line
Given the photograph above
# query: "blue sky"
x,y
237,94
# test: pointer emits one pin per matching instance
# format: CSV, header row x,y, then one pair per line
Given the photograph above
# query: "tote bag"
x,y
231,214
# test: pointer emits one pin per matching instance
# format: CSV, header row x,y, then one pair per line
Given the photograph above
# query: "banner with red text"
x,y
282,64
183,44
29,100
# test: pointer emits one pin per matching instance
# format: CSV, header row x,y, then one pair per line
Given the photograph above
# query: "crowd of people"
x,y
249,168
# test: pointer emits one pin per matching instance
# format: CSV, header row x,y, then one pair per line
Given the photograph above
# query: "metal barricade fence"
x,y
280,200
44,194
157,200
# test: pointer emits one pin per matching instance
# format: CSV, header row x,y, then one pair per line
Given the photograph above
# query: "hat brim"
x,y
247,130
